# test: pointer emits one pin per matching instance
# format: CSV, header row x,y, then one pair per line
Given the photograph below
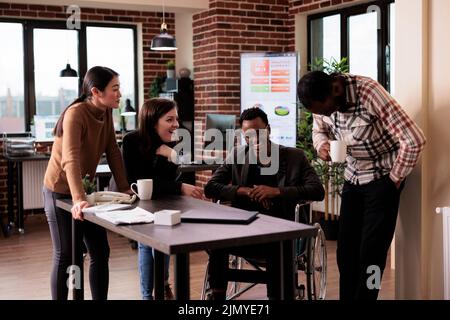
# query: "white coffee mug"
x,y
144,189
338,151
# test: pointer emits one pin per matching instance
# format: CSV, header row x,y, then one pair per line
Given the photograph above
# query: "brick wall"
x,y
154,62
300,6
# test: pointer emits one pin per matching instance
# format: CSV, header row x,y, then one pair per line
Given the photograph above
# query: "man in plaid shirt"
x,y
383,146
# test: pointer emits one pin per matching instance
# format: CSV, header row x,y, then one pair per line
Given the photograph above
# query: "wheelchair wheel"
x,y
205,294
316,268
233,289
233,286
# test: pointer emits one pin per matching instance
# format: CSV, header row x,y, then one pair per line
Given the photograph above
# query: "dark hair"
x,y
314,86
149,114
96,77
253,113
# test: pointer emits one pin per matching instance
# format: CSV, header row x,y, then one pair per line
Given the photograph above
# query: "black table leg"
x,y
182,290
20,223
77,283
159,275
3,227
287,270
10,194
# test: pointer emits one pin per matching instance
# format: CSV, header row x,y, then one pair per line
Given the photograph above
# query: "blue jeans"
x,y
146,270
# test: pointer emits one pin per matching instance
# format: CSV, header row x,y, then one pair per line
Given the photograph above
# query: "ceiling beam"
x,y
140,5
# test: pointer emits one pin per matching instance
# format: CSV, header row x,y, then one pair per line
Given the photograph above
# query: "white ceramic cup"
x,y
338,151
144,189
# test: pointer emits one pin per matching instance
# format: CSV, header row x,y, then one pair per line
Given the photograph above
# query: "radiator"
x,y
446,246
32,180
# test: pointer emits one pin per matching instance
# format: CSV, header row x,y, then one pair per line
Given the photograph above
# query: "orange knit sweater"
x,y
88,132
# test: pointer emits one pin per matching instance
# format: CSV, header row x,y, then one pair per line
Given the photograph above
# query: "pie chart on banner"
x,y
281,111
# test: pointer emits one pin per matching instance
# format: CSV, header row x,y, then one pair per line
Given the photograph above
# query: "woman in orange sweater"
x,y
83,133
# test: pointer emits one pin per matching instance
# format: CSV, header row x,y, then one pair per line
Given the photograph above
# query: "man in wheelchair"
x,y
273,184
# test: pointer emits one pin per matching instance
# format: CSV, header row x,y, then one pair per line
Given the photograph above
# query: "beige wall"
x,y
301,42
411,83
437,167
183,36
423,89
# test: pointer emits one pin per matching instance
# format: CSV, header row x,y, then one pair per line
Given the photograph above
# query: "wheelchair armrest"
x,y
299,205
225,203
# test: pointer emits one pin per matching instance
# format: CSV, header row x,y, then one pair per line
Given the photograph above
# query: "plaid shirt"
x,y
381,138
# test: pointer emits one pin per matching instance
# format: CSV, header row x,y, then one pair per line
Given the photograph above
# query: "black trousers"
x,y
267,254
95,239
366,228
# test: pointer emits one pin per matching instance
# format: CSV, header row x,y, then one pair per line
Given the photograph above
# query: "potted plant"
x,y
156,86
170,65
331,174
89,188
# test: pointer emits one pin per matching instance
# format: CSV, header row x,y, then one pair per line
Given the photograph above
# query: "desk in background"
x,y
11,163
184,238
102,175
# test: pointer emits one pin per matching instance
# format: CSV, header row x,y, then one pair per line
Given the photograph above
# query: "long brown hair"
x,y
96,77
149,114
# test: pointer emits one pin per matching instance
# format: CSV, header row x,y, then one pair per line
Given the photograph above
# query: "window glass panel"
x,y
326,38
12,107
114,48
53,49
363,52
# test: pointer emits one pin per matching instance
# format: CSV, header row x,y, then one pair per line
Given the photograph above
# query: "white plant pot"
x,y
90,198
170,74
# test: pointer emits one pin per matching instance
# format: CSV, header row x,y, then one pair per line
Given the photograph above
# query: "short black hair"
x,y
253,113
314,86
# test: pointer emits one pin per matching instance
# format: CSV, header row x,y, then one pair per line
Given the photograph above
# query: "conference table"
x,y
186,237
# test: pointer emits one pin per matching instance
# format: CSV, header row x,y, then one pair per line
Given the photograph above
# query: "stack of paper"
x,y
136,215
107,207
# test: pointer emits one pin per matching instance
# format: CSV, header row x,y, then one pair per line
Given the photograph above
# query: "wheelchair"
x,y
310,264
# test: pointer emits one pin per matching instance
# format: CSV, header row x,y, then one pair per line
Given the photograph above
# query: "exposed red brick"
x,y
54,8
118,12
19,6
11,12
95,17
28,13
36,7
103,11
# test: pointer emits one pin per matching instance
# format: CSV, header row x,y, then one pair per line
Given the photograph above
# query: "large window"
x,y
53,49
101,43
37,51
361,33
12,111
362,44
326,37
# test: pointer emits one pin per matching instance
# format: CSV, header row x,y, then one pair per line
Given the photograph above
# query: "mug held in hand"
x,y
338,151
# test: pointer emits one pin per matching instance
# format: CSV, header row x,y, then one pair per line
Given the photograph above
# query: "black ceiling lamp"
x,y
164,41
68,72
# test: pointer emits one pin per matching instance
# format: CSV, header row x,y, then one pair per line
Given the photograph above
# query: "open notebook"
x,y
121,214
